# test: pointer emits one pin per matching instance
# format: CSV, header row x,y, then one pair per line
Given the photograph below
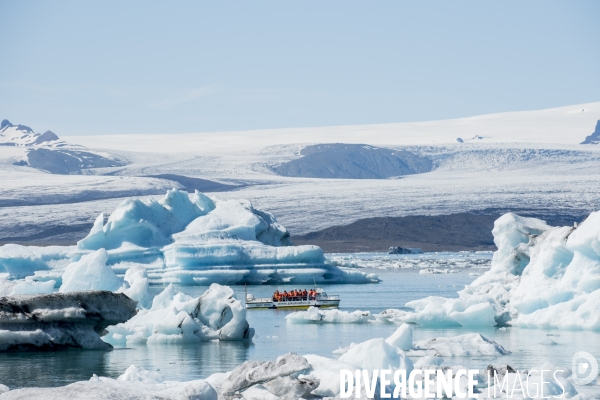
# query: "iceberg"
x,y
60,321
179,318
90,273
185,240
541,277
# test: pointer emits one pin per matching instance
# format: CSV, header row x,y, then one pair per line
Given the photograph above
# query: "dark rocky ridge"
x,y
353,161
67,161
594,138
191,184
454,232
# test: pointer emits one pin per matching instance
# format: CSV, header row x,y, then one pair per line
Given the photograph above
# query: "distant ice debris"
x,y
403,250
315,315
180,239
470,344
440,261
548,342
541,277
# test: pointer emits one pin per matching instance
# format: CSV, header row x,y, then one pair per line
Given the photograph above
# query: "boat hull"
x,y
301,304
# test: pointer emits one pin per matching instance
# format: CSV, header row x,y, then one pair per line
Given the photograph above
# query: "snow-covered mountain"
x,y
319,177
563,125
21,135
47,152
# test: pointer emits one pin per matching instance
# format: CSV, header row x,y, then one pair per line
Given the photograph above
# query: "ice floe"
x,y
179,318
470,344
315,315
61,320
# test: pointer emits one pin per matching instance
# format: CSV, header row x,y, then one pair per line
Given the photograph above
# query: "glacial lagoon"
x,y
274,336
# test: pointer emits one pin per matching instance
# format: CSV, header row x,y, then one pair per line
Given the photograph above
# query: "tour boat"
x,y
322,300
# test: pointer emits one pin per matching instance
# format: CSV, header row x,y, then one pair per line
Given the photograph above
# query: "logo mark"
x,y
585,368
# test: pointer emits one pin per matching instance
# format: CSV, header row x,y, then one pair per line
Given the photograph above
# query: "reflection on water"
x,y
275,337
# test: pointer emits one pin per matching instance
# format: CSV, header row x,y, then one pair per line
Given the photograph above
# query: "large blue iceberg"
x,y
195,240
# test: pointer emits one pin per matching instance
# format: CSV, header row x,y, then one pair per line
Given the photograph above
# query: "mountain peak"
x,y
5,123
46,137
594,138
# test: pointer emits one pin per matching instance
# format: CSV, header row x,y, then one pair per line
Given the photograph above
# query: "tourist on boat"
x,y
285,295
304,294
276,295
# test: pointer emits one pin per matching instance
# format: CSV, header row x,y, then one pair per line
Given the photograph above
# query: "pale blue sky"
x,y
83,67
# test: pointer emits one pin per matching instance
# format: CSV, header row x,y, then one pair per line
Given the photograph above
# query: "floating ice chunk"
x,y
553,369
402,338
198,390
139,374
288,387
327,372
541,277
428,361
470,344
343,350
100,388
137,278
3,388
481,314
258,392
548,342
32,287
178,318
288,364
237,379
315,315
377,354
59,321
269,373
90,273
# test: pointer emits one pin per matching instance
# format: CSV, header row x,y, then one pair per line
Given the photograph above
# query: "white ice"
x,y
178,318
90,273
541,277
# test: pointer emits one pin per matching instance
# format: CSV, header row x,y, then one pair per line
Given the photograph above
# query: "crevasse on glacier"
x,y
185,240
541,277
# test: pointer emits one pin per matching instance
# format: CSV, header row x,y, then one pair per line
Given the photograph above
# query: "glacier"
x,y
180,239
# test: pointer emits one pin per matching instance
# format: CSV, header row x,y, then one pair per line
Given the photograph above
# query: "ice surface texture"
x,y
181,239
541,277
58,321
178,318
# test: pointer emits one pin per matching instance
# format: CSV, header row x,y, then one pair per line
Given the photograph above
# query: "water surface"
x,y
275,337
